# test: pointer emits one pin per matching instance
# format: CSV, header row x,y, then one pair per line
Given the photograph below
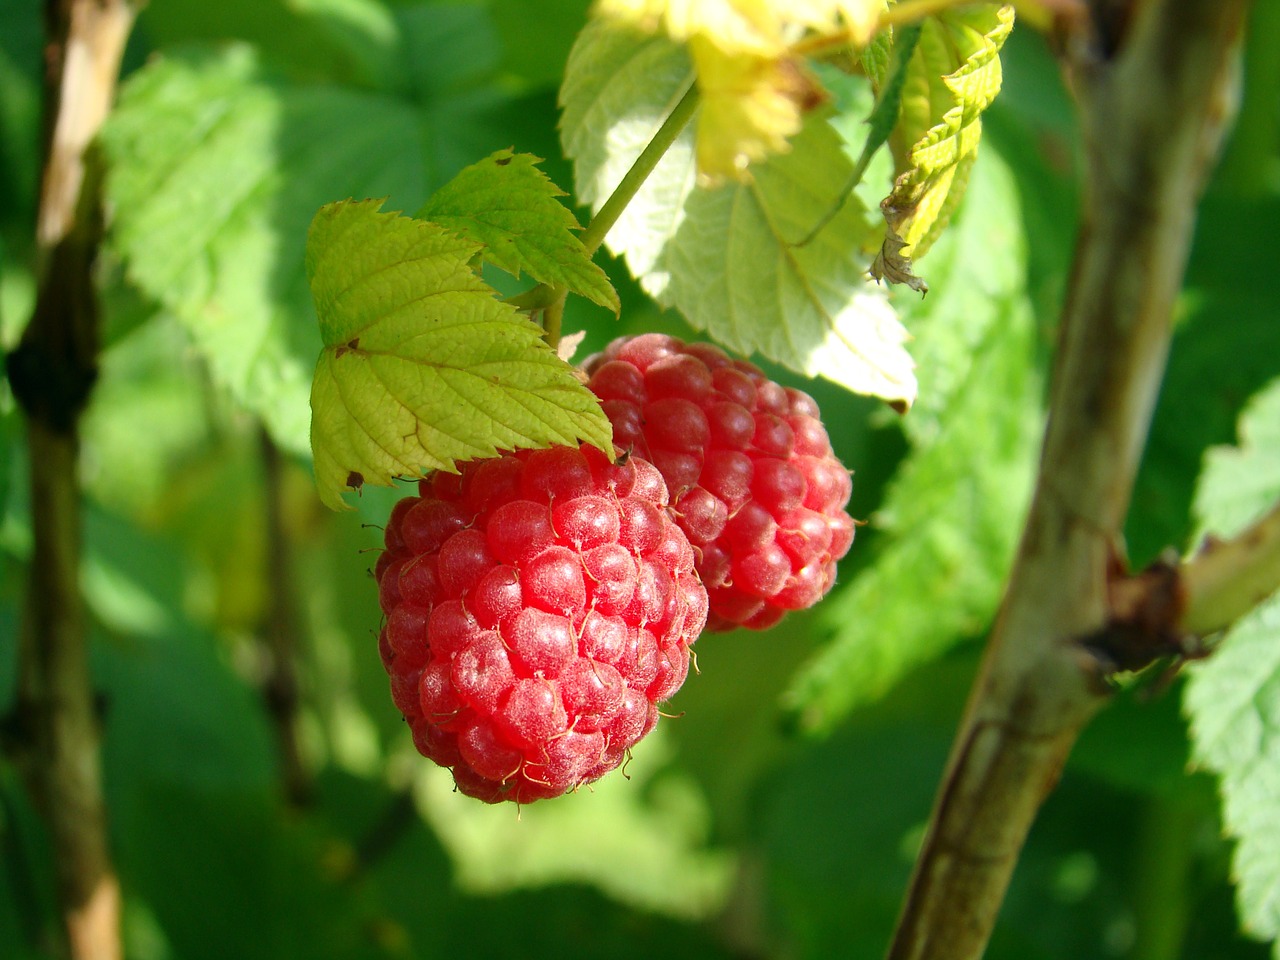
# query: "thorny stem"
x,y
52,373
1156,91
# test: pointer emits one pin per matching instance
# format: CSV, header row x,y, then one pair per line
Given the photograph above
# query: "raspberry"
x,y
752,477
539,605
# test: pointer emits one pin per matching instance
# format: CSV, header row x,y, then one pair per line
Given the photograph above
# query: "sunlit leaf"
x,y
754,87
953,75
749,25
422,365
729,258
216,170
751,106
506,203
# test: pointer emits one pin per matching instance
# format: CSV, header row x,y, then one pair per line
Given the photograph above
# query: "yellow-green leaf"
x,y
953,76
731,258
751,105
506,203
422,365
755,88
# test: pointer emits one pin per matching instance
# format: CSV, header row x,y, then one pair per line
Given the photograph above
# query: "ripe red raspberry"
x,y
539,606
753,481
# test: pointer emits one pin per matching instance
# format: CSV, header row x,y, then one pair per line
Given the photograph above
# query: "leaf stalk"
x,y
613,207
630,184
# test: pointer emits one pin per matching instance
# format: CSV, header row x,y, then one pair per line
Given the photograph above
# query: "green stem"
x,y
608,214
553,317
1228,578
626,190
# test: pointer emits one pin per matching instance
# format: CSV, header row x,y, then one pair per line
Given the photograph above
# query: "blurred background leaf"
x,y
951,516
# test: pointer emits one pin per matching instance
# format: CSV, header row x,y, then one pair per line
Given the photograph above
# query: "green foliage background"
x,y
779,814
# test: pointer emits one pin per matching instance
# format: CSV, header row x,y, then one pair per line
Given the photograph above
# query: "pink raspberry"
x,y
539,606
753,480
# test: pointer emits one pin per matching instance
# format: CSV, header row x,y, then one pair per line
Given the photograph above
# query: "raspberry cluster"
x,y
753,480
539,605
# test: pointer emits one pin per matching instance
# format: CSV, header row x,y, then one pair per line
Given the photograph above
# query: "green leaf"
x,y
422,365
448,48
953,75
537,36
250,882
951,517
1239,483
296,41
21,54
8,431
729,257
169,692
148,377
884,119
877,57
1233,698
216,170
364,30
510,206
1234,704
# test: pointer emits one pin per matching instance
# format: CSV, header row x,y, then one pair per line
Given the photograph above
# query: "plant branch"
x,y
1228,578
280,687
1155,100
52,372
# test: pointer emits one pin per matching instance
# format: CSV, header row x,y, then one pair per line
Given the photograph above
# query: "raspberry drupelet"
x,y
539,606
753,481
